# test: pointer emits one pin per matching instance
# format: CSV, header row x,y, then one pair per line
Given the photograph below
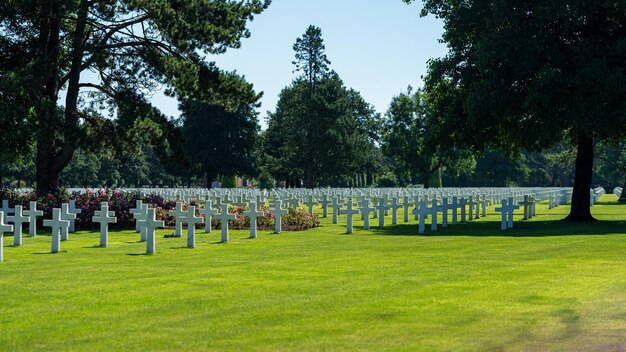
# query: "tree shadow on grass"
x,y
520,229
43,253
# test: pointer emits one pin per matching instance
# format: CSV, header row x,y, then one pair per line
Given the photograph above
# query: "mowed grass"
x,y
543,286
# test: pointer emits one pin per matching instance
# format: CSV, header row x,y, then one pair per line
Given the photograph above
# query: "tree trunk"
x,y
52,154
580,210
622,197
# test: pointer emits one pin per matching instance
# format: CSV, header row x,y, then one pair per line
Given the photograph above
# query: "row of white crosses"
x,y
471,205
62,223
468,203
146,224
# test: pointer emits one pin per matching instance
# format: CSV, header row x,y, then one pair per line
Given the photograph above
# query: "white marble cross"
x,y
455,207
6,209
17,219
509,208
527,203
324,202
381,207
180,215
462,204
58,226
192,220
3,228
445,206
350,212
66,215
140,218
421,213
151,224
278,214
394,206
253,214
472,203
104,216
208,212
137,210
336,207
434,209
406,204
484,203
224,217
310,202
72,209
503,209
32,214
365,212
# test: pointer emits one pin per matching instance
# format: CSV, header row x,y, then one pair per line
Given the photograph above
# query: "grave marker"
x,y
349,211
253,214
3,228
278,213
17,219
150,225
58,225
66,215
75,211
32,214
208,212
180,217
224,217
192,220
105,217
365,212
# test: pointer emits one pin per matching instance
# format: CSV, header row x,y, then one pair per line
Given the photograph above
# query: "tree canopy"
x,y
47,47
524,75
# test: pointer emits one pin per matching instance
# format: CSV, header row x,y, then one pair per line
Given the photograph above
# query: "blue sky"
x,y
377,47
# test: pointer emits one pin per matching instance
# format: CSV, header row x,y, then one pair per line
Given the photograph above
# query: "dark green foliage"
x,y
524,75
131,46
321,131
220,141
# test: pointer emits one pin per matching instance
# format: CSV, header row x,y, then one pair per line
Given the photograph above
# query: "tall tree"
x,y
403,139
337,143
222,142
524,75
46,46
312,64
310,54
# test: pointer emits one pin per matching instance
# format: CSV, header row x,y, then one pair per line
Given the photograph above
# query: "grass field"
x,y
543,286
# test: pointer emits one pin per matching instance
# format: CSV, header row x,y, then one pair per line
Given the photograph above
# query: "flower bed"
x,y
121,203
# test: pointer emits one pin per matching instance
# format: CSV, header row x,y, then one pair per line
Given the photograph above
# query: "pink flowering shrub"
x,y
88,202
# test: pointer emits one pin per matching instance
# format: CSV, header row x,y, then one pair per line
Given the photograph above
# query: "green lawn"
x,y
545,285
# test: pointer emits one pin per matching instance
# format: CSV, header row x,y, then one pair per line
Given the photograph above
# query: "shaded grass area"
x,y
544,285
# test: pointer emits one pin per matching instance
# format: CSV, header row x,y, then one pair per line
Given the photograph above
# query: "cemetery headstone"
x,y
73,210
104,216
350,212
192,220
365,212
180,217
151,224
224,217
66,215
58,226
278,214
253,214
17,219
3,228
32,214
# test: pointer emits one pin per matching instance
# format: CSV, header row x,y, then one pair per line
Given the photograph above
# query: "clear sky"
x,y
378,47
